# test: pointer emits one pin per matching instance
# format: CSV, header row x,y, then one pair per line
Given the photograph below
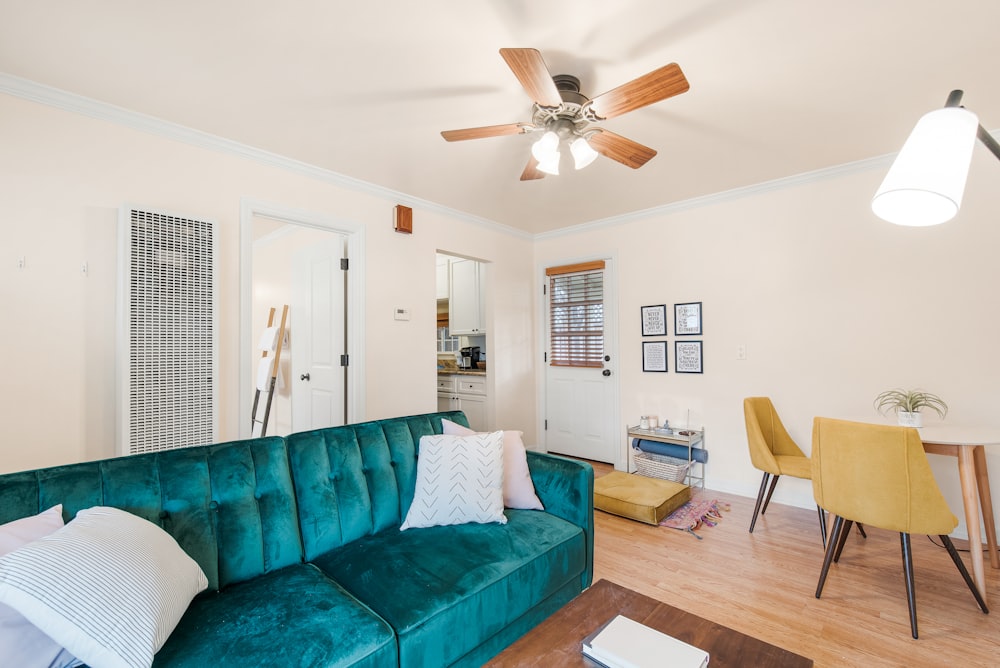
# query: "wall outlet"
x,y
741,351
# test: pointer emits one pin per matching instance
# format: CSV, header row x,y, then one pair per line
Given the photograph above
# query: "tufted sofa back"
x,y
358,479
230,506
233,507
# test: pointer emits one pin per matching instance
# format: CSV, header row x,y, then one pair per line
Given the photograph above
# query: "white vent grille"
x,y
169,322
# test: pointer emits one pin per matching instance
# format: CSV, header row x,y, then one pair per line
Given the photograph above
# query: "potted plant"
x,y
907,405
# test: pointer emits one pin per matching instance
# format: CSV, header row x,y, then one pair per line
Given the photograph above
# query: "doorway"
x,y
581,387
298,254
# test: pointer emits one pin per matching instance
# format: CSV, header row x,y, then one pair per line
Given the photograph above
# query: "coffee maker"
x,y
470,357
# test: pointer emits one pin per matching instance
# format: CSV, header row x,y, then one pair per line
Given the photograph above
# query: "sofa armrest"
x,y
566,489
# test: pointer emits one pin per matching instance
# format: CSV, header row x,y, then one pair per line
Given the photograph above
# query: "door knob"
x,y
606,372
304,376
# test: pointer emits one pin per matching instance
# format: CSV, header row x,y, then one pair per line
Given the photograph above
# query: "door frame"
x,y
613,348
355,308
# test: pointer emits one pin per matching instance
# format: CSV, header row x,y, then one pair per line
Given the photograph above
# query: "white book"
x,y
625,643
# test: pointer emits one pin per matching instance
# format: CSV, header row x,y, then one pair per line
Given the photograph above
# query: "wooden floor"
x,y
764,584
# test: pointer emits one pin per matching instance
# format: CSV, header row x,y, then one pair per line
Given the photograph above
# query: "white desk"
x,y
967,444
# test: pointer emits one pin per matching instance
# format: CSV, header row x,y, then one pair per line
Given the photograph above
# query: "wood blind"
x,y
576,315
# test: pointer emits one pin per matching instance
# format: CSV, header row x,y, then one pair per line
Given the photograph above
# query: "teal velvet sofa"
x,y
299,539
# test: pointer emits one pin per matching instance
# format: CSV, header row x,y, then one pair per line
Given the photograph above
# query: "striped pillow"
x,y
110,587
459,480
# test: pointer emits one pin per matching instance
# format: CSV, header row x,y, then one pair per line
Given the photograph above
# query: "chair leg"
x,y
965,573
911,598
843,539
861,530
822,524
760,498
769,493
838,527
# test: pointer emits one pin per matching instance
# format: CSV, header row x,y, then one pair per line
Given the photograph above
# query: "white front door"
x,y
317,338
581,358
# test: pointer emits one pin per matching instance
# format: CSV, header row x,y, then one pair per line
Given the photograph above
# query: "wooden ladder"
x,y
272,372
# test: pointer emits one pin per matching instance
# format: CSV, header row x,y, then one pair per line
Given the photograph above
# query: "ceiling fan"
x,y
564,115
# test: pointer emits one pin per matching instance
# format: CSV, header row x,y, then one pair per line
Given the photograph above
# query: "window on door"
x,y
576,315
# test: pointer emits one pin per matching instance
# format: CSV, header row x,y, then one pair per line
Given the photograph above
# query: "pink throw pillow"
x,y
518,490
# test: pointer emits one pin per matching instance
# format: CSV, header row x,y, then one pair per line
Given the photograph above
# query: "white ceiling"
x,y
778,87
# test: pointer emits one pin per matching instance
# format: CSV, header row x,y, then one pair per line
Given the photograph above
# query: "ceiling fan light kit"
x,y
926,182
564,115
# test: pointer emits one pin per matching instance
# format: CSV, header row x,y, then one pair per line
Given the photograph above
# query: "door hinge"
x,y
545,357
344,361
544,288
343,263
546,425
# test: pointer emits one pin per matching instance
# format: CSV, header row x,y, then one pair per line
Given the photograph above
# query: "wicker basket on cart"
x,y
653,465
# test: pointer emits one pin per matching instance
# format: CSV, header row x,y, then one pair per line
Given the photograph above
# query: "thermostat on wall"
x,y
401,314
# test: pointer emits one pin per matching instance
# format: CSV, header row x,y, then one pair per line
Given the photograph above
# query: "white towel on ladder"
x,y
264,374
268,340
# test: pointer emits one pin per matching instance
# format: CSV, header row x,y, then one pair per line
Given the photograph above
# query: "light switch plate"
x,y
401,313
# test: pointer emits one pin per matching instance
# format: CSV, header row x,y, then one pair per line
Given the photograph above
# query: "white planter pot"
x,y
910,419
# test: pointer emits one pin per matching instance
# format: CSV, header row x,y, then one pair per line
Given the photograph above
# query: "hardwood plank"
x,y
763,584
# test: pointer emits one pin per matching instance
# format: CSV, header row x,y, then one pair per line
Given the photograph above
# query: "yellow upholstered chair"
x,y
774,452
879,475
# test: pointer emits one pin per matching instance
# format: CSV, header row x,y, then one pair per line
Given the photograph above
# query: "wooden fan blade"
x,y
487,131
647,89
529,68
531,171
620,149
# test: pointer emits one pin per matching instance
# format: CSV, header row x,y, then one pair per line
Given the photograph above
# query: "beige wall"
x,y
64,177
832,304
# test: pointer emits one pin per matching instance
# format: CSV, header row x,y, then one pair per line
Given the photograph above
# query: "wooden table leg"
x,y
967,476
986,503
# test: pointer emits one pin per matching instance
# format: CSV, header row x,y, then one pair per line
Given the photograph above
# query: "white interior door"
x,y
317,338
580,386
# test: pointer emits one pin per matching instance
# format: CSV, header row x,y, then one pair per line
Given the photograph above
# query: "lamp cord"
x,y
941,545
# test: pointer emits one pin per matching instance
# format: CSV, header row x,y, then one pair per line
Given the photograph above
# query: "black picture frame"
x,y
687,319
654,356
689,357
654,320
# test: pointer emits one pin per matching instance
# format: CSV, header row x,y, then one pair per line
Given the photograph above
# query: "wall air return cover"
x,y
167,348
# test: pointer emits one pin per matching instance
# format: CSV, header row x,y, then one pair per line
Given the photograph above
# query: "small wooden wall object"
x,y
402,219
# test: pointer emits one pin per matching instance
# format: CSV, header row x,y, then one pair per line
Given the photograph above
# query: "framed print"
x,y
654,320
687,319
687,357
654,356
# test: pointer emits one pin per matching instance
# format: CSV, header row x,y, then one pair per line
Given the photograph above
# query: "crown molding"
x,y
826,174
85,106
66,101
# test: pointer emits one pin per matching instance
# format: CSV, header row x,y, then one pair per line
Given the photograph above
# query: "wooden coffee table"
x,y
557,640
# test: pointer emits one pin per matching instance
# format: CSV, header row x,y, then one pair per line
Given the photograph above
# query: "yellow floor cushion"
x,y
637,497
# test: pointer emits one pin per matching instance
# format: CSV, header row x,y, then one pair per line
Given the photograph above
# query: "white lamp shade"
x,y
544,148
550,165
582,152
925,184
546,152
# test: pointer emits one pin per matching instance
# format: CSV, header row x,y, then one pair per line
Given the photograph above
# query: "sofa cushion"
x,y
446,589
518,490
109,586
295,616
459,480
21,642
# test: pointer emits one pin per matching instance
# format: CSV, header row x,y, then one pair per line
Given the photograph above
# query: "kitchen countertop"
x,y
462,372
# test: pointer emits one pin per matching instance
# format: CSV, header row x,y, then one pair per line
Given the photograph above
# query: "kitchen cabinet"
x,y
464,393
466,308
442,277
